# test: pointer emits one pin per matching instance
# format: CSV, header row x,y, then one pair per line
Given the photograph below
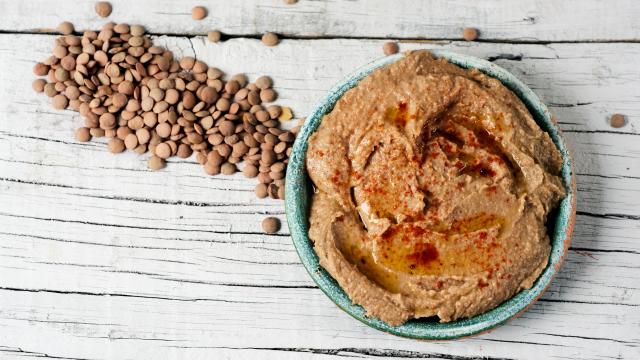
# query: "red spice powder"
x,y
425,254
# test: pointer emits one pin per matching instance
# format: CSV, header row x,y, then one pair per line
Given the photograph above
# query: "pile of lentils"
x,y
144,99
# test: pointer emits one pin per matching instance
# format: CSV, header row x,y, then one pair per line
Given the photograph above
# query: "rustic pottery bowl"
x,y
299,191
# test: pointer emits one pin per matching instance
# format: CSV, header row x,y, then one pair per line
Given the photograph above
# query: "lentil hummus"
x,y
433,185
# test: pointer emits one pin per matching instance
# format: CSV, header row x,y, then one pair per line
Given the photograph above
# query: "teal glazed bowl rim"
x,y
298,193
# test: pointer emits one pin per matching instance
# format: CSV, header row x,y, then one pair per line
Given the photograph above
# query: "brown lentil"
x,y
115,145
163,150
241,79
272,189
131,141
617,120
83,134
38,85
263,82
187,63
215,158
156,163
224,150
121,28
264,177
103,9
141,149
214,36
122,132
60,102
228,168
65,28
390,47
271,225
107,121
470,34
274,111
261,190
270,39
184,151
250,171
143,135
40,69
211,169
96,132
268,95
198,13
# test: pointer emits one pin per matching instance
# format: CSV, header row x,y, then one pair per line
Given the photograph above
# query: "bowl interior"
x,y
299,191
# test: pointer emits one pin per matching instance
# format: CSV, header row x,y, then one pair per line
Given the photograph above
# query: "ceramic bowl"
x,y
299,191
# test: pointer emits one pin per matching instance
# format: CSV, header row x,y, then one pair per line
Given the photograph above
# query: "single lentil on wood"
x,y
103,8
271,225
65,28
198,13
144,100
214,36
470,34
617,120
390,47
270,39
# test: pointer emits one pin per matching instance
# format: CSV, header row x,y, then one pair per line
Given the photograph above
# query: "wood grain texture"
x,y
101,258
519,21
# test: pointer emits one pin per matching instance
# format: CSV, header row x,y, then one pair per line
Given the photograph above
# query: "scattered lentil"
x,y
470,34
116,145
198,13
228,168
617,120
60,102
214,36
131,141
83,134
261,190
163,150
270,39
103,8
390,47
250,171
263,82
65,28
38,85
184,151
96,132
156,163
211,169
271,225
136,30
268,95
40,69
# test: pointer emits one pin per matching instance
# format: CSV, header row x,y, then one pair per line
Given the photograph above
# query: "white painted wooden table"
x,y
102,259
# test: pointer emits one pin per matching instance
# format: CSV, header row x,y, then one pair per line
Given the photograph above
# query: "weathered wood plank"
x,y
529,20
81,327
100,253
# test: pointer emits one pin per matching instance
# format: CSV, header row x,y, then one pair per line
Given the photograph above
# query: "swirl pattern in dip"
x,y
433,188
